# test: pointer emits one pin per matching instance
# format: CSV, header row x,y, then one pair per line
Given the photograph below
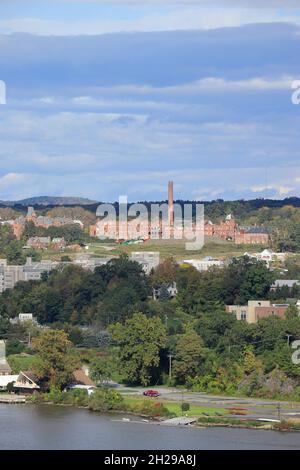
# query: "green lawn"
x,y
167,248
175,249
175,407
18,362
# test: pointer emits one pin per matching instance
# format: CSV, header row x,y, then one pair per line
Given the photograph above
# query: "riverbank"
x,y
110,401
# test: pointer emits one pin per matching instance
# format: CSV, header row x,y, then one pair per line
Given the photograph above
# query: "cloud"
x,y
150,17
209,84
281,190
123,113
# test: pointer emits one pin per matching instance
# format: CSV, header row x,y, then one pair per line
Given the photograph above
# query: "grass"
x,y
167,248
175,407
175,249
213,421
18,362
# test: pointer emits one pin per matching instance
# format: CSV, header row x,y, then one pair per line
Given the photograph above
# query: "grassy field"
x,y
167,248
174,248
175,407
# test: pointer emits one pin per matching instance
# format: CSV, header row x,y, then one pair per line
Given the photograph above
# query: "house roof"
x,y
30,376
6,379
258,230
81,378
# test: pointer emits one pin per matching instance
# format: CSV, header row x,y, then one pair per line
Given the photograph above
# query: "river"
x,y
56,427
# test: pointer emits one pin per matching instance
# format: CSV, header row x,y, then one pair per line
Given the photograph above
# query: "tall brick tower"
x,y
170,204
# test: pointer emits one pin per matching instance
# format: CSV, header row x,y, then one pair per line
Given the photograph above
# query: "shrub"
x,y
105,400
151,408
76,396
185,407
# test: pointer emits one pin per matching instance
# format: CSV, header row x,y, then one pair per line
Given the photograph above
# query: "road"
x,y
256,408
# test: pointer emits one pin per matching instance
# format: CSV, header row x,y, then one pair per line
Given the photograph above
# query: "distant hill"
x,y
49,201
216,209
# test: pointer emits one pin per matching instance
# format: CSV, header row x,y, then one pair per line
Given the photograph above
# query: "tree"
x,y
140,340
14,253
292,312
188,356
102,369
165,273
56,362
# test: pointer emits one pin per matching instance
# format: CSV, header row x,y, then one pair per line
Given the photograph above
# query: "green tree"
x,y
102,369
188,356
141,340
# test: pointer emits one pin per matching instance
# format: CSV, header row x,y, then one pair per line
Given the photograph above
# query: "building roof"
x,y
286,282
7,379
81,378
257,230
29,376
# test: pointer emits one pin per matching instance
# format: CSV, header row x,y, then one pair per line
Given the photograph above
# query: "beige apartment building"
x,y
257,309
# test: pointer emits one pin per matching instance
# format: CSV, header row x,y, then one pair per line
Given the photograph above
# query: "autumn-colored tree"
x,y
56,362
165,273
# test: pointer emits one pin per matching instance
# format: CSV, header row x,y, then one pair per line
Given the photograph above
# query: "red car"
x,y
151,393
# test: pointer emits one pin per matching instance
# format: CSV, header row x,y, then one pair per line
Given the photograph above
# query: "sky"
x,y
112,98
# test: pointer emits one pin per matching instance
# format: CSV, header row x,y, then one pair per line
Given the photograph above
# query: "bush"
x,y
55,395
151,408
13,346
77,396
185,407
105,400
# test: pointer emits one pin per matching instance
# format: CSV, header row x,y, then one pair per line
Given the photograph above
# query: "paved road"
x,y
256,408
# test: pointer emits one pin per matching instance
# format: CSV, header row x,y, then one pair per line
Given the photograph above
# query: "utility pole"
x,y
279,411
170,367
288,338
29,340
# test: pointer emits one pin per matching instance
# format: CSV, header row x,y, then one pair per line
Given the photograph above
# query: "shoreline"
x,y
200,423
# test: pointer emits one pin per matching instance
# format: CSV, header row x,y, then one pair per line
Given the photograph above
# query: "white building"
x,y
31,271
205,263
268,256
87,262
147,259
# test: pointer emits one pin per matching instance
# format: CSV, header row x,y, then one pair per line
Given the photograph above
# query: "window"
x,y
243,315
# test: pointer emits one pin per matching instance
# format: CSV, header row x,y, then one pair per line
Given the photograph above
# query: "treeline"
x,y
211,350
114,291
73,295
72,233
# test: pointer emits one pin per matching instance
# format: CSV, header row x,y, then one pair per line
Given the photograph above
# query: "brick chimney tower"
x,y
170,204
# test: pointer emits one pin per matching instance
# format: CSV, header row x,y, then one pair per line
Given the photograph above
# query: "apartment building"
x,y
252,236
31,271
40,221
256,309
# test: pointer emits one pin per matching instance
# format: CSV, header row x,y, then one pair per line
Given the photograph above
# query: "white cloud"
x,y
207,85
281,190
180,17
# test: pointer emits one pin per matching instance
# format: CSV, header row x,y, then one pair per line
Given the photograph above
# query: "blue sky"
x,y
117,98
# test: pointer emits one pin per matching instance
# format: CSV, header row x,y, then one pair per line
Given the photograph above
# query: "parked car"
x,y
151,393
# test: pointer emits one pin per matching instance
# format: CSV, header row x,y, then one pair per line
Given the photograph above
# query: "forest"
x,y
113,310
